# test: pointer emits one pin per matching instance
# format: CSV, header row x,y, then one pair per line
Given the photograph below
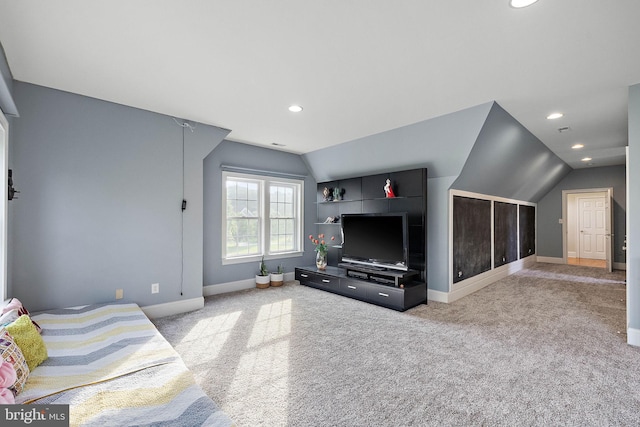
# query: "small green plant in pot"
x,y
263,278
277,279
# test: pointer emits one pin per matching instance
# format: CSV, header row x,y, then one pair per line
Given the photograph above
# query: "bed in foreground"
x,y
112,366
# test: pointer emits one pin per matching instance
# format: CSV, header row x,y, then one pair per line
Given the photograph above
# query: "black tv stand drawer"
x,y
407,294
387,297
319,280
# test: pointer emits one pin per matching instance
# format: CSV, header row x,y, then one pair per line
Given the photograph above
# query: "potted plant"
x,y
277,279
262,278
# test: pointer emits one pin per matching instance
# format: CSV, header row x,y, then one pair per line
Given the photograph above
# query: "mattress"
x,y
113,367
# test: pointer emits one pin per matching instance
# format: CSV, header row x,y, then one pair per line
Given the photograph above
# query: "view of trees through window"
x,y
243,218
257,207
281,218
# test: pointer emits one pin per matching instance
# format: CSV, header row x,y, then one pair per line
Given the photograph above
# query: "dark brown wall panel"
x,y
471,237
505,219
373,186
527,230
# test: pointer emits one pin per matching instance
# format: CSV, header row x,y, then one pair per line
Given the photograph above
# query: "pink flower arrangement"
x,y
321,244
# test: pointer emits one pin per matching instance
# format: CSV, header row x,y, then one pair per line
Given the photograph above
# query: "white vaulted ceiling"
x,y
357,67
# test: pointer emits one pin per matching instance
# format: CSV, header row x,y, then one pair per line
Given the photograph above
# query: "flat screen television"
x,y
376,240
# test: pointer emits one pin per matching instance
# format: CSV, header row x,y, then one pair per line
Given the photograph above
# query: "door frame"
x,y
4,204
610,226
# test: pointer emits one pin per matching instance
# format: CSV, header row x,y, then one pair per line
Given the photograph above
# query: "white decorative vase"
x,y
262,282
277,279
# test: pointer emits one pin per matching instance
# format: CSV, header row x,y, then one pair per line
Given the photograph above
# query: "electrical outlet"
x,y
119,293
155,288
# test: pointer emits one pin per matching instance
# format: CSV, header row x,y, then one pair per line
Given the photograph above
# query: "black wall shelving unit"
x,y
366,195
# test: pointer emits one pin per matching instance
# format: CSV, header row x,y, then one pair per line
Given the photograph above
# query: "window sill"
x,y
257,258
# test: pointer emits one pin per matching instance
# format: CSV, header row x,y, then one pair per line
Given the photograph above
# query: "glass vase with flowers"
x,y
321,250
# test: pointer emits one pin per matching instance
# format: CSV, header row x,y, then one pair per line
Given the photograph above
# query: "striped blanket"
x,y
112,366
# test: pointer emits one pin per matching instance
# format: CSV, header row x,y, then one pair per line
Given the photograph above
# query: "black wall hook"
x,y
12,191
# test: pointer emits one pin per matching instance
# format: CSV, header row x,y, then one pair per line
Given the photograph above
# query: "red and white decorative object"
x,y
388,190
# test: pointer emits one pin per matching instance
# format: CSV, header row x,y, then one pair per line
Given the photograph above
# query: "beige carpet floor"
x,y
545,346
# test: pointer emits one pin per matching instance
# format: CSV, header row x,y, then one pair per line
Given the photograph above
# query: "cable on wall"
x,y
183,125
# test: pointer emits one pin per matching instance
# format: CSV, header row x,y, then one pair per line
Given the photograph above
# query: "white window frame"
x,y
264,203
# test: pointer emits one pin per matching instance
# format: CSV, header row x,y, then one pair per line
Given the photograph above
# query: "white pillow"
x,y
9,317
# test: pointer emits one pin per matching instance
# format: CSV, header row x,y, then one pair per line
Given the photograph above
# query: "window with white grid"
x,y
262,216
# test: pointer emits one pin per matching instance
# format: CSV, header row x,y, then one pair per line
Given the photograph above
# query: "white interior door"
x,y
592,217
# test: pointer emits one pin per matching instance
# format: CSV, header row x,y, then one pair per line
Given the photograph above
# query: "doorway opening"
x,y
587,227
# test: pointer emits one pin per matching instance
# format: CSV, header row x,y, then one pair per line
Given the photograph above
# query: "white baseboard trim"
x,y
554,260
174,307
437,296
473,284
239,285
619,265
633,337
550,260
223,288
572,254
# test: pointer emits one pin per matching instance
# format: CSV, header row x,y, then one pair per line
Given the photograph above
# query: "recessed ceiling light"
x,y
554,116
577,146
586,159
521,3
295,108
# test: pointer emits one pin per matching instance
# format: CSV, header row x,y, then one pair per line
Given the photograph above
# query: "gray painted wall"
x,y
482,149
633,213
441,145
199,143
509,161
438,232
102,183
550,208
99,209
252,157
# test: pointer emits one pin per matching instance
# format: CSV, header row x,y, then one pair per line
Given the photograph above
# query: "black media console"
x,y
394,289
388,288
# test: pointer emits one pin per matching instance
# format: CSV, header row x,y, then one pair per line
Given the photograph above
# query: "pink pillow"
x,y
7,379
7,397
15,304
